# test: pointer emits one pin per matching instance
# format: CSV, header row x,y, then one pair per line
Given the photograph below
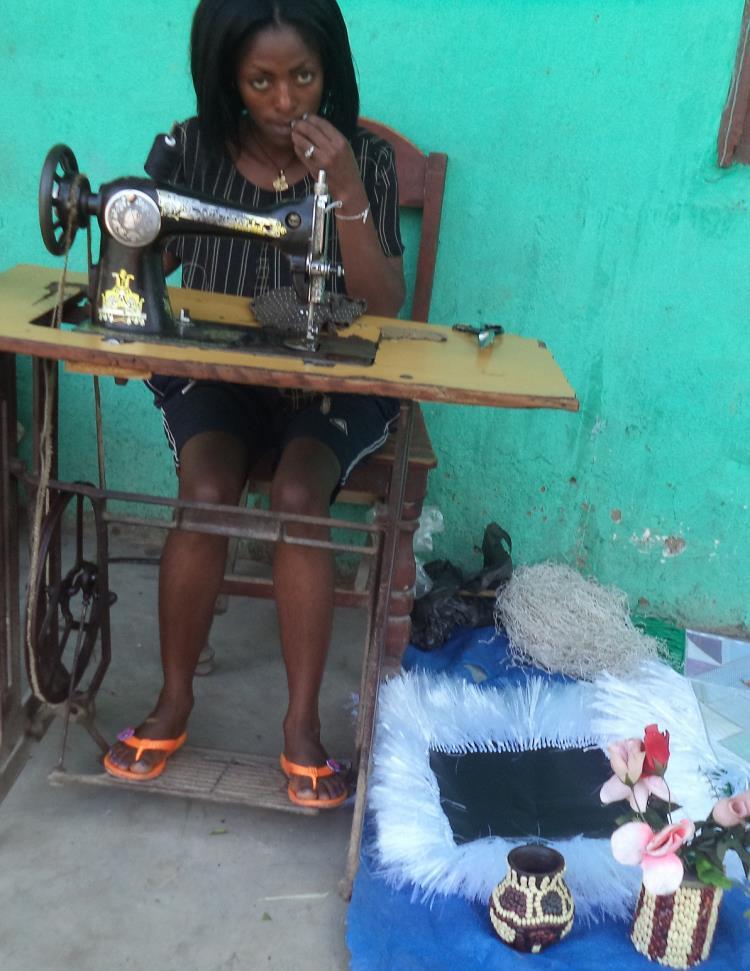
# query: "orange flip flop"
x,y
313,772
166,745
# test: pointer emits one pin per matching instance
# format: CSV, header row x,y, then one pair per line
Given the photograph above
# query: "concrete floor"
x,y
99,879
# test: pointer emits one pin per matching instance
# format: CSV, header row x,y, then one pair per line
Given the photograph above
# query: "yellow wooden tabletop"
x,y
422,362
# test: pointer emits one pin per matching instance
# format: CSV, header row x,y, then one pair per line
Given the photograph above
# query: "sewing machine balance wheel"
x,y
73,603
59,176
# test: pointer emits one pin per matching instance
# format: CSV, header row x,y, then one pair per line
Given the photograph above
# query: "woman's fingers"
x,y
310,141
317,129
319,145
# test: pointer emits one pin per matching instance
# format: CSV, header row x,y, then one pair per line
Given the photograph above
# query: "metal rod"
x,y
375,648
72,683
105,633
229,512
99,434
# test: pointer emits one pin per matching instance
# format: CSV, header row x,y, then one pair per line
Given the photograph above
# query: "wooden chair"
x,y
421,181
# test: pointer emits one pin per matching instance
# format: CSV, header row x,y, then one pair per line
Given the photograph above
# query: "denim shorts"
x,y
267,419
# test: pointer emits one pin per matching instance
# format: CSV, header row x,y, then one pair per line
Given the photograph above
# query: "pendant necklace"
x,y
280,183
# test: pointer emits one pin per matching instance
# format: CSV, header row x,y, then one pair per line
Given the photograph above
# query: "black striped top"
x,y
252,267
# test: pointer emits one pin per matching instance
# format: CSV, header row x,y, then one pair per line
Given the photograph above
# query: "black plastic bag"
x,y
457,601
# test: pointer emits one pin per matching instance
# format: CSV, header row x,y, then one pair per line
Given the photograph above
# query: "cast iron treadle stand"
x,y
216,776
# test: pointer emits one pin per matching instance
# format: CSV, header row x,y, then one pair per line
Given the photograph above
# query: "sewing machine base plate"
x,y
331,348
209,775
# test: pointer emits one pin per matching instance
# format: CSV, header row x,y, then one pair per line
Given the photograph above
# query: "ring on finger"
x,y
309,151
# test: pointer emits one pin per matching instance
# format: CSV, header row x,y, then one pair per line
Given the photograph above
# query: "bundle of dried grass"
x,y
569,624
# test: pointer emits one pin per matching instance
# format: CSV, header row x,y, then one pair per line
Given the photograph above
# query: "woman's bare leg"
x,y
213,468
303,582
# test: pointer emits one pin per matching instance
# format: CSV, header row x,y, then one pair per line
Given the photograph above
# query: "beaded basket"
x,y
532,907
676,929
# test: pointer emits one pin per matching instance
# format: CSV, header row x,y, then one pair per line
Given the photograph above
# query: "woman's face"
x,y
279,79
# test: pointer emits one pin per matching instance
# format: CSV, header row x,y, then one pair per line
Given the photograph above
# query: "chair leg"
x,y
206,661
232,554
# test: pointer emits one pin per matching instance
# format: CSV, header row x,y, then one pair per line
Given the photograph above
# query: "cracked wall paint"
x,y
666,546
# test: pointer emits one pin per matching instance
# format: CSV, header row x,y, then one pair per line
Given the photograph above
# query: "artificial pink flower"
x,y
614,790
637,795
626,758
733,811
656,745
636,843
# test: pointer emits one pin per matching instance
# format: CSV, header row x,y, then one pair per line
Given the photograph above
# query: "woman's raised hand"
x,y
319,145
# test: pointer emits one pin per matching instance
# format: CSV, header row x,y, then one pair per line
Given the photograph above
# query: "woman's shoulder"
x,y
187,129
189,124
369,146
199,160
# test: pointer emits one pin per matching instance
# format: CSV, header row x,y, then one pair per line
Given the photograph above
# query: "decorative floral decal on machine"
x,y
120,304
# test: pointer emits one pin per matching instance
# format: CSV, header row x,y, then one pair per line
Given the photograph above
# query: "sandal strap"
x,y
142,745
313,772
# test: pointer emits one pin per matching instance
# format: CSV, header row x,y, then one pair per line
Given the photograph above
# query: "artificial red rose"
x,y
656,745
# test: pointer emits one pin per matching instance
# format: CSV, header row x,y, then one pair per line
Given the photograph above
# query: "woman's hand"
x,y
321,146
368,272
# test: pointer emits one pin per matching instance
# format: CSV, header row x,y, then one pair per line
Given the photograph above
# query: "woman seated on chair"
x,y
277,100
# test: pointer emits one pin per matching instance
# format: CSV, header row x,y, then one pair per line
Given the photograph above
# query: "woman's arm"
x,y
370,274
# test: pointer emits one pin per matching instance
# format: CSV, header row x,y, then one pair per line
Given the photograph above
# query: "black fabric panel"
x,y
549,793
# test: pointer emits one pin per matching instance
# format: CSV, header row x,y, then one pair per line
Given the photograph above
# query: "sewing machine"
x,y
127,290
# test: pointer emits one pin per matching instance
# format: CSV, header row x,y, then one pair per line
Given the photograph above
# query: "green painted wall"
x,y
584,207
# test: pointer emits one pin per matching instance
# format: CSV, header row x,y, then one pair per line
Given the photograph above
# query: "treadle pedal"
x,y
210,775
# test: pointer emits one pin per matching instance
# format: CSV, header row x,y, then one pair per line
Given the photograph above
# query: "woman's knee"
x,y
305,479
299,496
217,487
213,468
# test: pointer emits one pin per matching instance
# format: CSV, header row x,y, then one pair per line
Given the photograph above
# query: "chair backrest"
x,y
421,184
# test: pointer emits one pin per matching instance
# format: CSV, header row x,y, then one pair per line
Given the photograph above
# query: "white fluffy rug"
x,y
419,712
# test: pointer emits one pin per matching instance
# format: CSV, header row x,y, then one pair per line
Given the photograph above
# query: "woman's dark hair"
x,y
221,27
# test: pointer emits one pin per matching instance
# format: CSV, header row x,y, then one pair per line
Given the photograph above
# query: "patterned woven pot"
x,y
532,907
677,929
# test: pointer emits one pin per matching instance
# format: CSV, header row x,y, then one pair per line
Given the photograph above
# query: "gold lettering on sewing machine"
x,y
184,209
120,304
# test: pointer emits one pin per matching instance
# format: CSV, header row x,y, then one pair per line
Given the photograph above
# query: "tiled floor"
x,y
719,668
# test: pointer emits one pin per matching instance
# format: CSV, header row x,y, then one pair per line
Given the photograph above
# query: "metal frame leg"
x,y
12,715
375,648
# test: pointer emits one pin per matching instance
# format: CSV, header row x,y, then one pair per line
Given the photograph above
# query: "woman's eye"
x,y
304,77
259,84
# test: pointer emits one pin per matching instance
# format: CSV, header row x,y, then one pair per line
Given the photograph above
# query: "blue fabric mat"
x,y
475,655
388,931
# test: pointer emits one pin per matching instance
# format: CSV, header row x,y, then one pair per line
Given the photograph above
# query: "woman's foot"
x,y
303,750
166,723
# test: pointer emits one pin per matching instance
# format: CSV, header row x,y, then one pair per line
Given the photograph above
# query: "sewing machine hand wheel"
x,y
58,176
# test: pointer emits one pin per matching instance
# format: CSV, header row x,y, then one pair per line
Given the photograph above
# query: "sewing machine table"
x,y
414,362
